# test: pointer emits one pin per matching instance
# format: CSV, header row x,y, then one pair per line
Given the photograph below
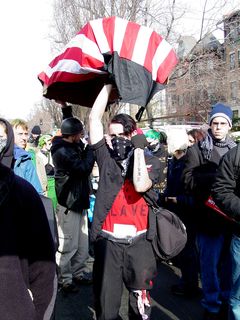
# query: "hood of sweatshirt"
x,y
59,142
6,156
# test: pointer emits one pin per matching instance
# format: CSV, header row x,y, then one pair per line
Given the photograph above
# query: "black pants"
x,y
132,264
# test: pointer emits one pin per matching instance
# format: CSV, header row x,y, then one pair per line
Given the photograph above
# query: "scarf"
x,y
206,145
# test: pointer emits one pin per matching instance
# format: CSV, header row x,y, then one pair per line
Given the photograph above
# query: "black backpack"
x,y
171,235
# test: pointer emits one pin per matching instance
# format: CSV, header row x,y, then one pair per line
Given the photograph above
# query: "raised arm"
x,y
96,114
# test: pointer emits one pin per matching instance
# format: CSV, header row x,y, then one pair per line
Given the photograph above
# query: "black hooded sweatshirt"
x,y
27,253
73,165
7,156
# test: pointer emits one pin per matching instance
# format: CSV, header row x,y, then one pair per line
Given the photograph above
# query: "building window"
x,y
181,100
232,61
233,90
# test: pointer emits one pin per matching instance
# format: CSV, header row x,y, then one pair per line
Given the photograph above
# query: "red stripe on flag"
x,y
129,40
55,61
154,42
43,77
108,27
76,54
166,67
69,77
88,32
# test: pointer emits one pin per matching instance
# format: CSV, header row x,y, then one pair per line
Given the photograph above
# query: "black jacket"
x,y
175,188
73,165
27,254
226,188
110,183
198,176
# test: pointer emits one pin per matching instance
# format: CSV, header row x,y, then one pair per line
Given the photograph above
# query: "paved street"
x,y
166,306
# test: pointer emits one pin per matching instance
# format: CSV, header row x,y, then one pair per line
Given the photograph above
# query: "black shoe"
x,y
69,288
188,292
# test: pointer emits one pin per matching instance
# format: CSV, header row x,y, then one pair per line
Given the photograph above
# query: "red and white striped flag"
x,y
135,57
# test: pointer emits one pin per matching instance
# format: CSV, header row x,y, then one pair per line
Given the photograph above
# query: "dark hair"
x,y
129,124
197,134
163,137
3,124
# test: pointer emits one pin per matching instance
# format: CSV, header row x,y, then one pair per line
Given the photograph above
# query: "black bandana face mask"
x,y
121,148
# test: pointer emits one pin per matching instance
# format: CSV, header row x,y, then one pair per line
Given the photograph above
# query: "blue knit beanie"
x,y
221,110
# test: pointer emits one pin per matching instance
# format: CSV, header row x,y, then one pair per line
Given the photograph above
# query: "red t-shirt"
x,y
129,208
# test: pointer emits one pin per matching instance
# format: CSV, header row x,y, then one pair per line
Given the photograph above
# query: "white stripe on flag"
x,y
70,66
119,33
99,33
88,46
141,45
160,55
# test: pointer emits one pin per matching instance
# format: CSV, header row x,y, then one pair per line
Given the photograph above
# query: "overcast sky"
x,y
25,51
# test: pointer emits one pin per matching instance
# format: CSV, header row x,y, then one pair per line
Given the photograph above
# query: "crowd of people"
x,y
103,191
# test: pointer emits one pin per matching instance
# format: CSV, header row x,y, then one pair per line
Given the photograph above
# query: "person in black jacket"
x,y
158,148
226,193
122,227
73,162
213,236
27,253
176,200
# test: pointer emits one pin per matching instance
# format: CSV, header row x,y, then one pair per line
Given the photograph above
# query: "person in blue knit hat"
x,y
221,110
213,231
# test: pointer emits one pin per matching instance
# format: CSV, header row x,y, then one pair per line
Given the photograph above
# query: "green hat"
x,y
152,134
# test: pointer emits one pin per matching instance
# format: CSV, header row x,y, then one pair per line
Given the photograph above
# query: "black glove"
x,y
139,141
67,112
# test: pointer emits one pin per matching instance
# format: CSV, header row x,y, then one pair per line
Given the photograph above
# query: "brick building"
x,y
208,71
